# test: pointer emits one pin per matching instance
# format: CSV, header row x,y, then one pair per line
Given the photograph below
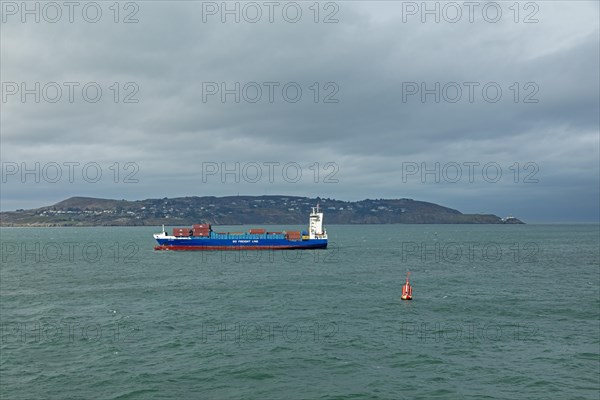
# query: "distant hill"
x,y
234,210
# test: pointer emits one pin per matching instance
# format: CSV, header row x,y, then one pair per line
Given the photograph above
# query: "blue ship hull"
x,y
208,243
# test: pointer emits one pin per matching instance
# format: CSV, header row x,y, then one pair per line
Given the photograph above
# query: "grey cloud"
x,y
369,133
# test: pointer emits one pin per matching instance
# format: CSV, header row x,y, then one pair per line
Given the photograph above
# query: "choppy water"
x,y
500,312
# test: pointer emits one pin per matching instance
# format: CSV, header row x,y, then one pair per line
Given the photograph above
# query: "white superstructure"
x,y
315,224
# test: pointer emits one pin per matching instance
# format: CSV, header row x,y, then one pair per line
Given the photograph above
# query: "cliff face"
x,y
233,210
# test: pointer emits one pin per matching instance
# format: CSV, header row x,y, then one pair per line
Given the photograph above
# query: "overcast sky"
x,y
493,108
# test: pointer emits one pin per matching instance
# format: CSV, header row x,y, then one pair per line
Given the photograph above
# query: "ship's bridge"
x,y
315,224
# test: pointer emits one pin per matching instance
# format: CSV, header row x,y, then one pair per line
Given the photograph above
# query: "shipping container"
x,y
201,226
293,235
257,231
201,232
181,231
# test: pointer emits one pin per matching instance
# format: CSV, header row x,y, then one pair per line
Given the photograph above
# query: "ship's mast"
x,y
315,224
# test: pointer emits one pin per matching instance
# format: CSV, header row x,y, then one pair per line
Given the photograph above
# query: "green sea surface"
x,y
499,312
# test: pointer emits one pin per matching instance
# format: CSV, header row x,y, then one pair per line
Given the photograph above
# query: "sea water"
x,y
499,312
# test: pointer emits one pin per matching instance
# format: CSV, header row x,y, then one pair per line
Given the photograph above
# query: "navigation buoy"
x,y
407,289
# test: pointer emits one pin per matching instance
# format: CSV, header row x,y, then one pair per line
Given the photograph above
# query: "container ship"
x,y
203,237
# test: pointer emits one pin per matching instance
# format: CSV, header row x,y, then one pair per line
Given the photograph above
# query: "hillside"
x,y
233,210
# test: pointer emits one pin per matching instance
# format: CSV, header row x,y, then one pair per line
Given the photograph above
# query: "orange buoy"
x,y
407,289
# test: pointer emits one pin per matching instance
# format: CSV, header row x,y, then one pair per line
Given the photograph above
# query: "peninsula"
x,y
236,210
